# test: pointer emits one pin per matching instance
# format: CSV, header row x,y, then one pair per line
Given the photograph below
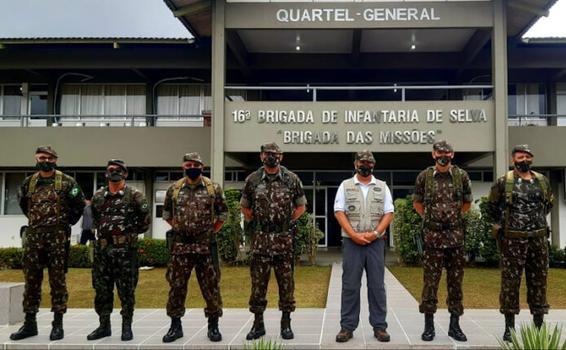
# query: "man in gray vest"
x,y
364,209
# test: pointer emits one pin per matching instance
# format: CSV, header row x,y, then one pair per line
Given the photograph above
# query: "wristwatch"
x,y
376,234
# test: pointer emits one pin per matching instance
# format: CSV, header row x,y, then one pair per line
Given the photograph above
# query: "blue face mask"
x,y
193,173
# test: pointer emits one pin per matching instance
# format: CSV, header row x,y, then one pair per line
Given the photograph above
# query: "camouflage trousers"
x,y
260,270
178,274
530,254
114,266
44,248
434,260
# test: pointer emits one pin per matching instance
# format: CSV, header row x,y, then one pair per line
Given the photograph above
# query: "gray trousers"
x,y
356,258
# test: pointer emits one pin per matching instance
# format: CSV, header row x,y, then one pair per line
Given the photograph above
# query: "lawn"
x,y
311,286
481,287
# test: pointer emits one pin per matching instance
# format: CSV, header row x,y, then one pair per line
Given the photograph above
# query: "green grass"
x,y
311,285
481,286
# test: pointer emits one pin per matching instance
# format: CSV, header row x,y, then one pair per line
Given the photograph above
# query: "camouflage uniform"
x,y
194,213
51,213
118,218
273,199
527,214
443,235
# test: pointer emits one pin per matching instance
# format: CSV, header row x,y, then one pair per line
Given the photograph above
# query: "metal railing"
x,y
537,120
148,120
395,88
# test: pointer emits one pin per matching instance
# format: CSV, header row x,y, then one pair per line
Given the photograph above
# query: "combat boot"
x,y
57,327
286,331
538,320
258,329
428,333
454,330
175,331
213,332
103,330
28,329
509,325
127,333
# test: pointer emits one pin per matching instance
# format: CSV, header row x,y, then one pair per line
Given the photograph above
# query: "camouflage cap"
x,y
522,148
271,147
365,155
442,146
119,163
192,157
46,149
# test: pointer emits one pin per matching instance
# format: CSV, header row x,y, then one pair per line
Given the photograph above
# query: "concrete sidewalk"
x,y
314,328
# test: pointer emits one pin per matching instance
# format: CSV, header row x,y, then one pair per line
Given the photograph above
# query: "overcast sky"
x,y
142,18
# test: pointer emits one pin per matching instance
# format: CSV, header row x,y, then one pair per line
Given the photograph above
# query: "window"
x,y
100,99
10,100
561,103
13,181
525,99
183,99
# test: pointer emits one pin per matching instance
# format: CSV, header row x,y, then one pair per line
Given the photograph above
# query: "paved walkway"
x,y
314,328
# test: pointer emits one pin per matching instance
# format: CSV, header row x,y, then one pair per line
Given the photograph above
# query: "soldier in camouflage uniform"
x,y
518,205
272,200
196,210
52,202
442,194
120,213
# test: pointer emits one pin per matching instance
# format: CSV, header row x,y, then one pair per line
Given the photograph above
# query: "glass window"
x,y
135,100
38,104
561,103
115,100
99,99
167,100
161,176
183,99
70,100
189,100
525,99
12,100
405,178
11,203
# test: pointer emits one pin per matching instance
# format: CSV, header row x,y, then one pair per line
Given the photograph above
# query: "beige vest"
x,y
364,215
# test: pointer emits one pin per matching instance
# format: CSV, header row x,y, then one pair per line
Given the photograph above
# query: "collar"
x,y
120,193
373,181
436,172
264,174
195,185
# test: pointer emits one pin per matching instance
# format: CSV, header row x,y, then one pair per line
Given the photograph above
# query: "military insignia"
x,y
144,206
377,189
75,191
351,207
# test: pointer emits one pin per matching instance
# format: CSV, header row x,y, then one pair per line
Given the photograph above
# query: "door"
x,y
159,226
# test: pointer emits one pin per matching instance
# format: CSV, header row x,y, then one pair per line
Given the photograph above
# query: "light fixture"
x,y
298,48
413,46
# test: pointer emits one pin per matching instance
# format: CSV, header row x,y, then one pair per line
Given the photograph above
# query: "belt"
x,y
437,226
185,239
272,228
526,234
119,240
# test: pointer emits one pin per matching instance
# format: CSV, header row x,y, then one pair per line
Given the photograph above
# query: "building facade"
x,y
322,79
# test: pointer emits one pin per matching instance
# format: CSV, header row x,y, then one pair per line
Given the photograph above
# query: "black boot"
x,y
538,320
29,328
258,329
57,327
103,330
127,333
213,332
175,331
286,331
428,333
455,331
509,325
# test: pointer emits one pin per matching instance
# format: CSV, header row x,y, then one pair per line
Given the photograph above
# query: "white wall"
x,y
10,230
562,218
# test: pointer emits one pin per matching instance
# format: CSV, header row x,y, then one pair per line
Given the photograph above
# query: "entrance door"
x,y
159,226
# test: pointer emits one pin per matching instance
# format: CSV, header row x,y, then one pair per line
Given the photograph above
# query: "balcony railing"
x,y
537,120
388,93
149,120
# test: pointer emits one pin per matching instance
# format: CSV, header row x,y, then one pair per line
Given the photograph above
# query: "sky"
x,y
143,18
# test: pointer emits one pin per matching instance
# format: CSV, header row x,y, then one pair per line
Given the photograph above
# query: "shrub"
x,y
307,237
153,252
79,256
530,337
10,258
557,256
406,224
230,237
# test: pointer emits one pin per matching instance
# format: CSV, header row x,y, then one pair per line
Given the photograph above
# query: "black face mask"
x,y
115,176
271,161
523,166
443,161
364,170
193,173
45,166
